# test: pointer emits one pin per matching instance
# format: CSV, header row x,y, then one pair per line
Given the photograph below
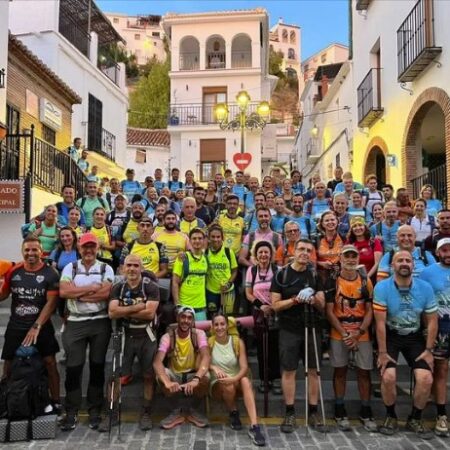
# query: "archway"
x,y
375,161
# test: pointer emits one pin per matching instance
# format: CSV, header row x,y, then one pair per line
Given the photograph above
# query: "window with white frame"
x,y
141,156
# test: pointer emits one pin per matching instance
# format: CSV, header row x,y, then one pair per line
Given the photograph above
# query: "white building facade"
x,y
70,37
331,54
214,56
4,8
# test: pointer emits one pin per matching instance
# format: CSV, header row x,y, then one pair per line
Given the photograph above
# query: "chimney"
x,y
324,84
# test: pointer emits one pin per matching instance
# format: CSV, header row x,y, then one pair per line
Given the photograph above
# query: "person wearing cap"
x,y
438,276
185,378
130,229
86,285
405,312
349,311
130,186
33,287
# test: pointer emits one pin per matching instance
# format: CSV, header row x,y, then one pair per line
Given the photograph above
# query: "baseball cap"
x,y
88,238
442,242
120,195
186,309
349,248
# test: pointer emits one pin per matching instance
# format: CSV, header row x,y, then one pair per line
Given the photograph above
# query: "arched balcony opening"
x,y
241,52
215,52
189,54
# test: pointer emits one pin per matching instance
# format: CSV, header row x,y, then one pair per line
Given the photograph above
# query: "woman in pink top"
x,y
257,288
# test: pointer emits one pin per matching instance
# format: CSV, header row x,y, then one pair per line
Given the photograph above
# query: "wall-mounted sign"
x,y
50,114
242,160
391,160
11,196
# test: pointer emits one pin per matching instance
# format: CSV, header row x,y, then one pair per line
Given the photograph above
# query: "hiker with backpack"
x,y
340,206
173,184
279,219
257,290
441,231
130,186
434,205
423,223
251,220
34,289
349,311
307,226
189,220
371,194
68,195
315,207
186,377
86,285
406,237
103,232
129,231
47,230
230,375
387,229
91,201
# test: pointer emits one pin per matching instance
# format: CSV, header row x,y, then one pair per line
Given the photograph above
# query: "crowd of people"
x,y
351,271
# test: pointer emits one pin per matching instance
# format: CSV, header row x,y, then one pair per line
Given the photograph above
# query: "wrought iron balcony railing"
x,y
72,31
437,177
369,98
189,61
110,68
241,59
215,60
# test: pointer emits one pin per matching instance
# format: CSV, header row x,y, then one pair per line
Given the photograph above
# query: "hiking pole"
x,y
111,400
306,373
119,370
266,368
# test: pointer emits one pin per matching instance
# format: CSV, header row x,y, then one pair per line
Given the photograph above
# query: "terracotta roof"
x,y
232,12
34,63
147,137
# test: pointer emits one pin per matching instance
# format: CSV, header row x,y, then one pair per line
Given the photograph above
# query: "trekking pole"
x,y
306,372
119,370
266,369
111,400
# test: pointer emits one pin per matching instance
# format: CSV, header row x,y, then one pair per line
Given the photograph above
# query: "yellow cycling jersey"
x,y
232,231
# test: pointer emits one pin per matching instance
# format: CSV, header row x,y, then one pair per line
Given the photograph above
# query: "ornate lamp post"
x,y
243,120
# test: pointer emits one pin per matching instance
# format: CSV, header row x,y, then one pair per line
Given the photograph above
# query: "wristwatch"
x,y
37,326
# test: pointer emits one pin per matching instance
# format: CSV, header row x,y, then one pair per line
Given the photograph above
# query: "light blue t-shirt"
x,y
419,264
278,222
438,276
404,306
318,207
249,202
302,223
239,190
64,258
130,188
251,222
358,212
340,187
388,234
298,188
159,185
433,206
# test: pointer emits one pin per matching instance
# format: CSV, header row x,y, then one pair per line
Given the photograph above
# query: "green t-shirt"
x,y
88,208
192,289
219,269
47,236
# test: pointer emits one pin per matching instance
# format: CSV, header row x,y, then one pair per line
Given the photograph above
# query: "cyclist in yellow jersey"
x,y
130,232
189,221
103,235
232,224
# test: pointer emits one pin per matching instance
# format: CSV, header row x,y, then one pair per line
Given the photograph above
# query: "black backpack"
x,y
27,393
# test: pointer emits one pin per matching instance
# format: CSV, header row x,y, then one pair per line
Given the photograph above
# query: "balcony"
x,y
108,145
369,99
110,68
215,60
362,5
415,42
202,114
75,34
241,59
437,177
312,152
189,61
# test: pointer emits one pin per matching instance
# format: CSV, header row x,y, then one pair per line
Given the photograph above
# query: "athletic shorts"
x,y
340,354
46,344
410,346
292,349
138,344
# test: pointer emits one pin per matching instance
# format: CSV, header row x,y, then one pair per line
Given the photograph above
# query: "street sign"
x,y
11,196
242,160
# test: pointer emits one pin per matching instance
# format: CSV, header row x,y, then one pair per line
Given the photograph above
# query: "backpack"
x,y
131,245
227,254
169,184
100,199
186,272
27,393
112,216
254,271
171,331
75,271
233,332
423,256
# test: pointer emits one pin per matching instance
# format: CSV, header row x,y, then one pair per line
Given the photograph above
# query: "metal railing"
x,y
203,114
241,59
369,95
189,61
110,68
72,31
10,159
108,145
215,60
437,177
415,34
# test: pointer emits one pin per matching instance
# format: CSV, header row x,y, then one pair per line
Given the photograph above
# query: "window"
x,y
155,43
291,53
115,20
211,96
48,135
284,36
141,156
137,37
292,37
212,158
13,120
209,169
155,34
95,120
323,58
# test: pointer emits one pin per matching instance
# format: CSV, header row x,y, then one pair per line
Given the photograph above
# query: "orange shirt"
x,y
283,255
330,251
343,308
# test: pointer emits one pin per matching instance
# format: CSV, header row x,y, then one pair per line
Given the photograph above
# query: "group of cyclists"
x,y
165,261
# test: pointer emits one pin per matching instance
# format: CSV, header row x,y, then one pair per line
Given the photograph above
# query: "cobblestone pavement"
x,y
220,437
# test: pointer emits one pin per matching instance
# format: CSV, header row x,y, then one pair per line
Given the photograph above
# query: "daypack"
x,y
364,289
75,270
27,393
423,256
171,330
186,272
254,271
227,254
233,332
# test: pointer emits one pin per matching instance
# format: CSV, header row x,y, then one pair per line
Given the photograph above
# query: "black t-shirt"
x,y
289,284
29,291
205,213
147,290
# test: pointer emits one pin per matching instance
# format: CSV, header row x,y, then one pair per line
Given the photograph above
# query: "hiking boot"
x,y
441,427
369,424
196,418
276,387
94,422
235,421
343,423
145,421
69,422
103,426
256,435
389,427
172,420
126,379
315,421
418,427
288,424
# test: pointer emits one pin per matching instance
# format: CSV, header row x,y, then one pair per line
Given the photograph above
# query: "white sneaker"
x,y
441,427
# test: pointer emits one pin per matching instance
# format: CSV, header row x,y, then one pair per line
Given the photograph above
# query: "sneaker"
x,y
389,426
343,423
256,435
418,427
235,421
172,420
145,421
57,409
94,422
103,426
369,424
288,424
127,379
441,427
315,421
69,422
198,419
276,387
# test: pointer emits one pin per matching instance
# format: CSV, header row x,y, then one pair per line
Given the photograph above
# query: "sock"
x,y
339,411
366,412
290,409
390,411
312,409
416,413
147,404
339,401
441,410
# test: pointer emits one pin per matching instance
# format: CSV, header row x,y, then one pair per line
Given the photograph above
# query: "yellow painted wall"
x,y
40,199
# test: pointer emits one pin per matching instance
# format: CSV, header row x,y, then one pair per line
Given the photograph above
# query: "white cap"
x,y
442,242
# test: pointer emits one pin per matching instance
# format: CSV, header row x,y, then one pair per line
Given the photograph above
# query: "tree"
x,y
275,63
149,102
116,53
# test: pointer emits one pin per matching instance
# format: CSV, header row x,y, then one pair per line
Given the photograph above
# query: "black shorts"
x,y
410,346
138,344
292,349
46,344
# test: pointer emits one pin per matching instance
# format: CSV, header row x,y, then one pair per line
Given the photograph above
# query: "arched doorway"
x,y
376,164
426,144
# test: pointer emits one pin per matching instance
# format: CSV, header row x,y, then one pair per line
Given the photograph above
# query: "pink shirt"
x,y
261,287
164,343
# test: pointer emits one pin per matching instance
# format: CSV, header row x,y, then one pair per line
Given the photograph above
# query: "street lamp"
x,y
242,120
314,131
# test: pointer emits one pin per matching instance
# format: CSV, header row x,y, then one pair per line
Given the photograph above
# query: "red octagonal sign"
x,y
242,160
